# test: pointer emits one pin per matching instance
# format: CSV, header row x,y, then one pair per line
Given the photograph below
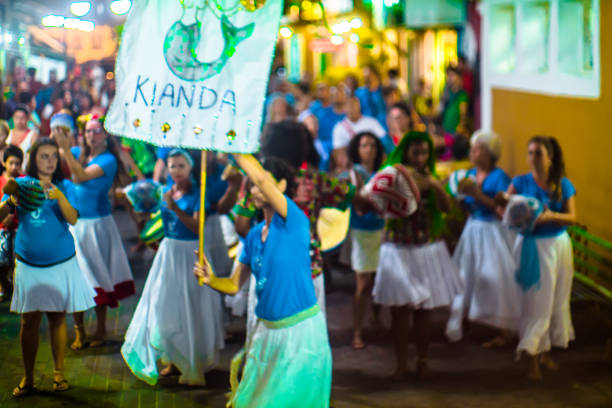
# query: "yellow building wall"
x,y
582,126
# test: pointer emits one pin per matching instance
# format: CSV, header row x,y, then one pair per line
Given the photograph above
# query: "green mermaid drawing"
x,y
184,36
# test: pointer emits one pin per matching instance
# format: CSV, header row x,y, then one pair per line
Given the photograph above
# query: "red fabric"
x,y
111,299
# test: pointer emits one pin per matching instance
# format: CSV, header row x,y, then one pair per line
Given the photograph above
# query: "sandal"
x,y
19,391
59,382
97,343
61,385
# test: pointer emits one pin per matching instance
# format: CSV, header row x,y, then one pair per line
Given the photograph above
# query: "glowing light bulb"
x,y
120,7
285,32
80,8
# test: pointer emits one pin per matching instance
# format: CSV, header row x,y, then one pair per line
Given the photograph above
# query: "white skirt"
x,y
546,319
216,249
365,249
103,260
57,288
288,367
421,276
485,261
176,320
319,286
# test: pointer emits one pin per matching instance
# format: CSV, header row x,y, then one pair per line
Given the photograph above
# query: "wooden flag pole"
x,y
202,212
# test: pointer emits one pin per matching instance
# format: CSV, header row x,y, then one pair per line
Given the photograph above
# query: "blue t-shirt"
x,y
369,221
281,265
497,180
173,227
526,185
328,118
92,196
43,237
372,104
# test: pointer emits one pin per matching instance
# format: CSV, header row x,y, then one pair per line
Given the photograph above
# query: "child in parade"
x,y
366,153
47,275
176,320
94,166
288,357
12,160
415,271
484,252
544,256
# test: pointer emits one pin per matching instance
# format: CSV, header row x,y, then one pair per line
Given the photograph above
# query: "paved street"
x,y
465,375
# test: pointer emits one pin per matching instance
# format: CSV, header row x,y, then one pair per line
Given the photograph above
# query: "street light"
x,y
78,24
337,39
80,8
53,21
286,32
120,7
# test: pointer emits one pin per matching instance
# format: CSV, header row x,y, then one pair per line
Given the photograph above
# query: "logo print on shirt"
x,y
35,220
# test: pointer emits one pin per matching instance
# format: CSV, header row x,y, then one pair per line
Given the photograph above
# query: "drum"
x,y
144,195
393,193
453,183
332,227
521,213
153,230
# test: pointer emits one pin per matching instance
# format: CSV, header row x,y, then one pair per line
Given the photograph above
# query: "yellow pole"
x,y
202,212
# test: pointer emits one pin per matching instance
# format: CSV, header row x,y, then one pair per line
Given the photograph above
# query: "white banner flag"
x,y
194,73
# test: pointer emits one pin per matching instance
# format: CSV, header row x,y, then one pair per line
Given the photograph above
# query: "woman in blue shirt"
x,y
484,251
366,153
176,320
47,275
94,167
545,319
288,357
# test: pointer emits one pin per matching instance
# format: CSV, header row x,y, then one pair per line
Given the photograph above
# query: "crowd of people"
x,y
323,145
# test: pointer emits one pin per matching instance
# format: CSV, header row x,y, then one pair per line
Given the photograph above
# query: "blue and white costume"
x,y
47,275
176,320
484,258
100,252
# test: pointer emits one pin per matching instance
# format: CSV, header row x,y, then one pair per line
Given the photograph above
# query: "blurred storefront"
x,y
419,38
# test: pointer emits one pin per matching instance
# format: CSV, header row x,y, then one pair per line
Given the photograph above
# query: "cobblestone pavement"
x,y
465,374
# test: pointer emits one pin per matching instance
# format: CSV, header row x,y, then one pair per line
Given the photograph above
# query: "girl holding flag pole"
x,y
176,320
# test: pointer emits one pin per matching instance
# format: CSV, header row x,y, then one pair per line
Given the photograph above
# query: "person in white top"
x,y
22,136
353,124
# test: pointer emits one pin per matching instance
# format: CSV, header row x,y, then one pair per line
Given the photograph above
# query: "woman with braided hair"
x,y
415,272
94,167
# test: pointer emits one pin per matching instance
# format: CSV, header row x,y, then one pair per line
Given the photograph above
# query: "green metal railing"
x,y
593,266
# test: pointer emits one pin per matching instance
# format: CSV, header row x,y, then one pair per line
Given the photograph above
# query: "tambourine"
x,y
393,192
29,192
144,195
521,213
332,227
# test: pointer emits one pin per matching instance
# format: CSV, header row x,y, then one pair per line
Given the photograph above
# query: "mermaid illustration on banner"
x,y
184,36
